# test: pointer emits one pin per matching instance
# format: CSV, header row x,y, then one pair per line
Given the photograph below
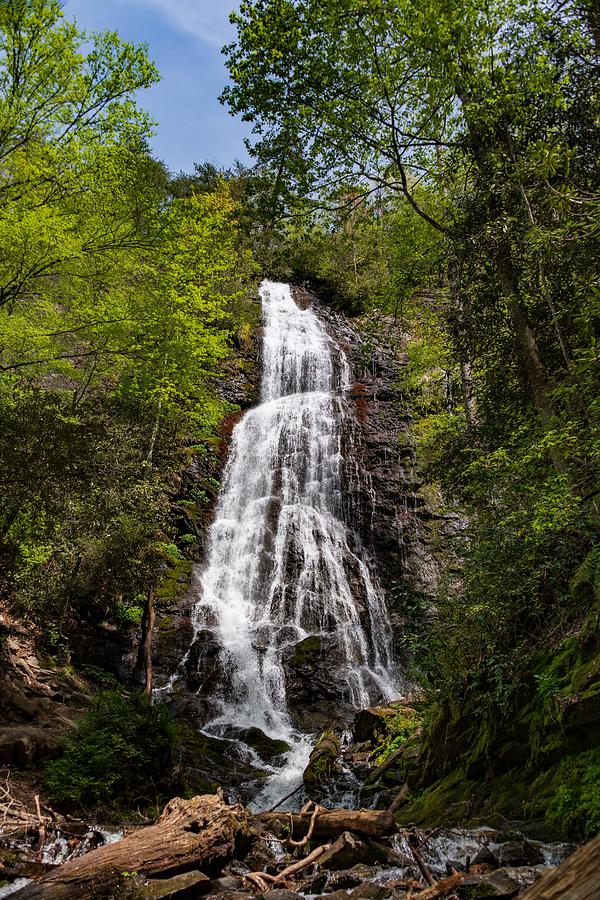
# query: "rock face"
x,y
397,520
400,519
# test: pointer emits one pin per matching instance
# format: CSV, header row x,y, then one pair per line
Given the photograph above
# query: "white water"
x,y
280,564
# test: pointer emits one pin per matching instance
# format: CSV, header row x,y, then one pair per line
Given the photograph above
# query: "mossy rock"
x,y
264,746
306,650
175,583
211,761
371,724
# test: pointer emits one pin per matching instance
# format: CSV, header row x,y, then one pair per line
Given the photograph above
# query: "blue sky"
x,y
185,38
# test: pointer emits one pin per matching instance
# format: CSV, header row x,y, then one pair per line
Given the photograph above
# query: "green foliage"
x,y
456,190
575,807
119,300
118,753
405,723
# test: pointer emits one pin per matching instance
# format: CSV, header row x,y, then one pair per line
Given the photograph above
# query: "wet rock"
x,y
203,667
281,894
266,747
322,715
486,857
236,868
234,895
316,884
349,878
227,883
335,895
525,876
345,852
372,890
186,886
260,858
519,853
486,887
310,668
206,763
370,724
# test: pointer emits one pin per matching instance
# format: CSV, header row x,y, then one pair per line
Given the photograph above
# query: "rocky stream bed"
x,y
341,839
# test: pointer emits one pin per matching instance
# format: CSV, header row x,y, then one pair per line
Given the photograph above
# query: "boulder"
x,y
311,670
346,879
345,852
487,887
372,890
486,857
519,853
266,747
186,886
370,724
281,894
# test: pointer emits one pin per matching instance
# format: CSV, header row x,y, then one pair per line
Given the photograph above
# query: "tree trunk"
x,y
201,833
509,284
334,822
144,655
530,353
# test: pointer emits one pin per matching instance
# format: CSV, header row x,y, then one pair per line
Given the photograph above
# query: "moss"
x,y
322,760
306,650
399,727
446,801
175,584
207,763
575,805
266,747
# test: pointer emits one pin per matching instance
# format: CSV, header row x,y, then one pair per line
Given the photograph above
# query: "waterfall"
x,y
282,562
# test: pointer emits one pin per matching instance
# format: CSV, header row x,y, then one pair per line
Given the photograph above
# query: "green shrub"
x,y
118,753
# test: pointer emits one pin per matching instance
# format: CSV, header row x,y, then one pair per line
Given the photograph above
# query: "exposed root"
x,y
260,879
304,841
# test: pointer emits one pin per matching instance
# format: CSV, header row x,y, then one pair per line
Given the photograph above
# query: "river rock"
x,y
372,890
486,857
186,886
486,887
519,853
345,852
280,894
349,878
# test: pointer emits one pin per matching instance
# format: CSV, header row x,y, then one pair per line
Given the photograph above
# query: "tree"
x,y
397,93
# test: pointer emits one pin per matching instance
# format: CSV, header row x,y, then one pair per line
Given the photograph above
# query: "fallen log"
x,y
322,760
577,878
331,823
197,834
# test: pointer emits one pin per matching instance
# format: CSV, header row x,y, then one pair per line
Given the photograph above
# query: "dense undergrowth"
x,y
119,758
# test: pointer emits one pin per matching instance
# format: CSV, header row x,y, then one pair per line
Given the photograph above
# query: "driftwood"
x,y
577,878
191,834
263,879
331,823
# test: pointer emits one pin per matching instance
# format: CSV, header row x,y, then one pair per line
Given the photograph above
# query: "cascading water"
x,y
282,563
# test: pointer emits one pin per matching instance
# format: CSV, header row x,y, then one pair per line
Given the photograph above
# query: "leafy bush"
x,y
119,752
